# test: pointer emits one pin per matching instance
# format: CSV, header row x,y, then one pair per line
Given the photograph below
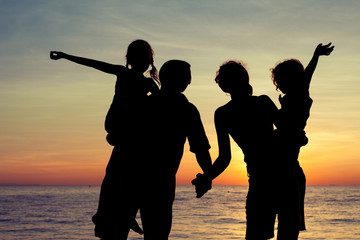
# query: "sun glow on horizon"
x,y
52,113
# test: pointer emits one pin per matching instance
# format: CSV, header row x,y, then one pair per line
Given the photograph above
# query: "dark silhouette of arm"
x,y
204,160
310,69
203,182
102,66
223,160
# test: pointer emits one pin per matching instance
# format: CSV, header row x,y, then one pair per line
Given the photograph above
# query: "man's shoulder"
x,y
191,107
263,98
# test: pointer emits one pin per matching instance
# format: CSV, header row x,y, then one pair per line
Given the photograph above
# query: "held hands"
x,y
54,55
324,49
202,184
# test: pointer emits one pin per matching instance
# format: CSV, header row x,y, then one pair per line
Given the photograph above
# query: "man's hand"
x,y
202,184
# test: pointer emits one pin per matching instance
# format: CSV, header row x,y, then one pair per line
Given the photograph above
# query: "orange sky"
x,y
52,113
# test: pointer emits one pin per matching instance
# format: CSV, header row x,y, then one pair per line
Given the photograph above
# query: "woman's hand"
x,y
202,185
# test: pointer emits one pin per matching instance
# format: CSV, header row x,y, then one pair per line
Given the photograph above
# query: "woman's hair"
x,y
233,77
140,50
287,73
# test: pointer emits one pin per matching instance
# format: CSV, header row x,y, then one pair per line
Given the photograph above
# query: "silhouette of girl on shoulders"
x,y
249,121
131,85
116,211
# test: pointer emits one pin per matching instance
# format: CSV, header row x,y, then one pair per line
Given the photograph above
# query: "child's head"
x,y
175,76
233,78
288,75
140,56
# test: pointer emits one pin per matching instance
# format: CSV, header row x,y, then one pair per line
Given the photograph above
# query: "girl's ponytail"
x,y
154,74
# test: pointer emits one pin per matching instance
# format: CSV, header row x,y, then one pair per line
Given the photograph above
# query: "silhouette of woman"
x,y
249,121
116,210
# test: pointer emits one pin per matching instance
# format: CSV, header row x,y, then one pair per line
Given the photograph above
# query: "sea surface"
x,y
64,212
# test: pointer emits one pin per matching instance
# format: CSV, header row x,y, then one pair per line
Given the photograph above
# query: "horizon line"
x,y
98,185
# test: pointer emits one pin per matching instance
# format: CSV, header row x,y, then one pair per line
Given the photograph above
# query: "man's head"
x,y
175,76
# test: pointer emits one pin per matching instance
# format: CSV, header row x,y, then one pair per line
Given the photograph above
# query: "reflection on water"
x,y
41,212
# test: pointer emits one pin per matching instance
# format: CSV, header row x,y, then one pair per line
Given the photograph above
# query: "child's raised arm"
x,y
319,51
102,66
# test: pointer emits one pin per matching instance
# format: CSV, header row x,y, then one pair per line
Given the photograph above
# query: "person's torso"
x,y
250,124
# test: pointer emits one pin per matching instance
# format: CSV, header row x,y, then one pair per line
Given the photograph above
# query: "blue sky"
x,y
57,108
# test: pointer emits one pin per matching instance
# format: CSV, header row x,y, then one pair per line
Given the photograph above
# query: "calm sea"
x,y
64,212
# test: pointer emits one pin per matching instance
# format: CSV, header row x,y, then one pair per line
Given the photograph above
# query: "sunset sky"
x,y
52,112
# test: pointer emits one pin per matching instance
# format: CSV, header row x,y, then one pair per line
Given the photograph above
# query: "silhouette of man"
x,y
174,119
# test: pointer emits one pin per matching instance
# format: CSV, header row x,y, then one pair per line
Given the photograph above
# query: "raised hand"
x,y
202,185
54,55
324,49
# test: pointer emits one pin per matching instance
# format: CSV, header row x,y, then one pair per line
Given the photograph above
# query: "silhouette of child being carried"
x,y
131,91
131,85
294,81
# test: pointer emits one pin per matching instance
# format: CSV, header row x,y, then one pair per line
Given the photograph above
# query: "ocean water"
x,y
64,212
